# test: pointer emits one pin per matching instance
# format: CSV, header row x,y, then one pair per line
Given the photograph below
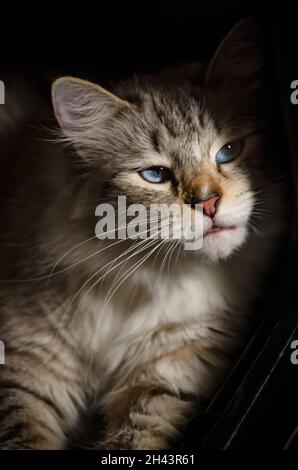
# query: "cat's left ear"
x,y
239,56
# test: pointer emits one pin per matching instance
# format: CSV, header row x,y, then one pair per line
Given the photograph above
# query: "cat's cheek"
x,y
220,245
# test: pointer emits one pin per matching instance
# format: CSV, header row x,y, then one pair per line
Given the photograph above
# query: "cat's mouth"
x,y
218,228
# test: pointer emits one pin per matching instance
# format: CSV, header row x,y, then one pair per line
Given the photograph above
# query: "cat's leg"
x,y
152,407
146,416
29,420
37,396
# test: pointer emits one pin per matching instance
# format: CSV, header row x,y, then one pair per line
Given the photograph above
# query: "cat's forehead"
x,y
180,125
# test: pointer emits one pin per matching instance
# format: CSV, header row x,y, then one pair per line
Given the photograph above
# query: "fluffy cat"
x,y
140,332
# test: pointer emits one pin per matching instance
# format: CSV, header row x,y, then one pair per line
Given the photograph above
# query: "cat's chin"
x,y
221,244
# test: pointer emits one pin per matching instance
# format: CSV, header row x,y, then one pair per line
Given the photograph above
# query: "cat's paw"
x,y
150,442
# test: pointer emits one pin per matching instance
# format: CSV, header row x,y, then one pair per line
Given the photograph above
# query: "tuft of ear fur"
x,y
239,55
80,105
85,113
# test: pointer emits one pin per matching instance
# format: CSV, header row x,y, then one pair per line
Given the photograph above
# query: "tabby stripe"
x,y
12,408
34,358
25,348
8,411
9,384
66,342
155,140
13,433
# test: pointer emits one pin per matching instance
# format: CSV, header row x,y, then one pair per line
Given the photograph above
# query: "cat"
x,y
140,332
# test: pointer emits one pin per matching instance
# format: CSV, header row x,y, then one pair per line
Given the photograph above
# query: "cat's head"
x,y
191,143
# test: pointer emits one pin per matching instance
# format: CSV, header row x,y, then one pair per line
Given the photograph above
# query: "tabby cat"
x,y
134,335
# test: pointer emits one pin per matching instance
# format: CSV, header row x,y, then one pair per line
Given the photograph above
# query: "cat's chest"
x,y
145,305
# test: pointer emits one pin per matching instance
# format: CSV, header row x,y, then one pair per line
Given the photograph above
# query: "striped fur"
x,y
142,338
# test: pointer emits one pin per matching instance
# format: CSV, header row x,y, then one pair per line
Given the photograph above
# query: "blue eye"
x,y
229,152
156,174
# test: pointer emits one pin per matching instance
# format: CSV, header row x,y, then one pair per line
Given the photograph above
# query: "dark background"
x,y
109,39
113,38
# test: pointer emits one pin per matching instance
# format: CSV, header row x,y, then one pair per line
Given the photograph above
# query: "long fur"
x,y
141,332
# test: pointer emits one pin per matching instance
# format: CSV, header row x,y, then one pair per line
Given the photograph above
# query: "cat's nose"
x,y
209,203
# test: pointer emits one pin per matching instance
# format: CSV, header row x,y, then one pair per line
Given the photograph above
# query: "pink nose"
x,y
209,205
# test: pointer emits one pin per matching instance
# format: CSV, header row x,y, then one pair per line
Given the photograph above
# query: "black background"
x,y
109,39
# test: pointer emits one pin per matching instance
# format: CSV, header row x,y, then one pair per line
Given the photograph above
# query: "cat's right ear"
x,y
239,57
81,106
